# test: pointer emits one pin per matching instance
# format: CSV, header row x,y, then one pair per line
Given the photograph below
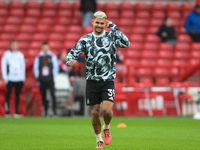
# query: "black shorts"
x,y
98,91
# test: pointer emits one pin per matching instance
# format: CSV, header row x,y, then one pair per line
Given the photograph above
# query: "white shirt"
x,y
16,64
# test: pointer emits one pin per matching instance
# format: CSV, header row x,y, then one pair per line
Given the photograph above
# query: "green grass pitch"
x,y
156,133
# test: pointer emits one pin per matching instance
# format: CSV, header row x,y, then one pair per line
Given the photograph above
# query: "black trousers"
x,y
195,37
18,87
43,89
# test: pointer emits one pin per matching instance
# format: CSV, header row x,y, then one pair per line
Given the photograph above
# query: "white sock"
x,y
99,138
106,126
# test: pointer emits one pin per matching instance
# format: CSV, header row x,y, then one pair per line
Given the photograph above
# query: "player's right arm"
x,y
4,67
75,52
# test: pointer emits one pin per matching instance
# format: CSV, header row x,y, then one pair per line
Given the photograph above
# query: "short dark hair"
x,y
12,41
45,43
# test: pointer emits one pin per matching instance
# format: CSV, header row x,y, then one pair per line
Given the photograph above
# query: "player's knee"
x,y
95,113
107,112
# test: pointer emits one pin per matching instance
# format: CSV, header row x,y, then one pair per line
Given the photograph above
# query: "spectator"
x,y
88,7
45,68
13,72
63,67
192,24
167,32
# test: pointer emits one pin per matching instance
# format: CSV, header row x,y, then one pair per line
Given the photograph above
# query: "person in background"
x,y
88,7
13,73
99,48
45,67
167,32
192,23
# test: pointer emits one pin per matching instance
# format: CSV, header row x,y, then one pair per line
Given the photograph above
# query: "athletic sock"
x,y
106,126
99,138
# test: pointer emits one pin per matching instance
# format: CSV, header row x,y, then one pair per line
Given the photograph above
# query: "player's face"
x,y
14,45
98,25
45,48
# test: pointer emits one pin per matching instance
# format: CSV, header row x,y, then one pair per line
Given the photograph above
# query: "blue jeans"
x,y
86,20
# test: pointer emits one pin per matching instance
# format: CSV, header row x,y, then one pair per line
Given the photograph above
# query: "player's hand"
x,y
107,23
72,63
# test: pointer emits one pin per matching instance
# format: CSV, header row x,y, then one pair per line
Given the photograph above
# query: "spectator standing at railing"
x,y
167,32
192,23
88,7
45,67
13,73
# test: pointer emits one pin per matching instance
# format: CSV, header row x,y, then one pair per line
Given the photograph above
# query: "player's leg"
x,y
9,86
43,90
96,123
18,88
52,91
107,115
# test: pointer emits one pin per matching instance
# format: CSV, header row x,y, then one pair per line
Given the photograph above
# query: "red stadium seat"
x,y
161,71
64,5
32,4
174,14
47,21
141,22
152,38
23,46
139,30
112,14
2,22
136,38
6,37
195,46
165,54
142,14
59,28
10,28
127,14
161,76
193,61
172,7
72,37
39,37
162,81
165,46
185,38
100,7
179,63
126,6
26,28
125,22
146,54
150,46
33,12
31,53
141,6
158,14
76,5
3,12
144,72
135,46
64,13
13,20
176,22
68,45
152,30
74,29
16,4
56,45
174,72
48,5
35,45
62,21
48,13
163,62
3,5
131,62
195,54
126,30
4,45
157,7
24,37
181,55
56,37
30,20
110,6
155,22
42,28
18,12
182,47
187,6
147,63
132,54
87,29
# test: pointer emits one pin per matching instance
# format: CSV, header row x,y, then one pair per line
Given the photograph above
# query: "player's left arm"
x,y
121,41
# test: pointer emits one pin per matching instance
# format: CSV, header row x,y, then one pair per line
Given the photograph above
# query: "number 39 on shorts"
x,y
111,92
